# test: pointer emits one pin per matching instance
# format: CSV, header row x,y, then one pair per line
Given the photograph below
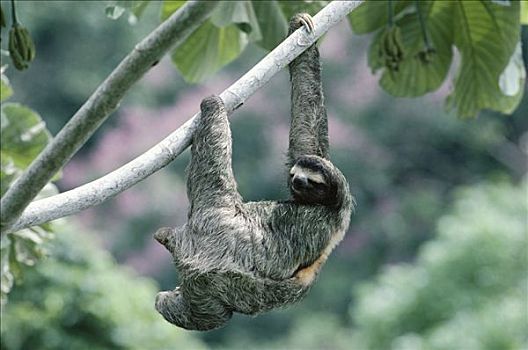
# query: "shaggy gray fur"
x,y
251,257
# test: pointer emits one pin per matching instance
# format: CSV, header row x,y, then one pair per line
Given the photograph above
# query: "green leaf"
x,y
524,13
7,277
416,77
291,8
373,14
23,134
208,49
8,173
135,8
240,13
486,36
139,8
273,25
169,7
28,245
512,82
5,88
114,11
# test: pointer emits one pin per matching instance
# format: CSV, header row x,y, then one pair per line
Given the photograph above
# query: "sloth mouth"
x,y
298,190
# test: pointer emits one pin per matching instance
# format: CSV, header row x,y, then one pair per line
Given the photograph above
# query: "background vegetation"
x,y
435,257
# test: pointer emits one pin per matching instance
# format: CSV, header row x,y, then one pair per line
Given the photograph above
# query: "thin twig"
x,y
96,192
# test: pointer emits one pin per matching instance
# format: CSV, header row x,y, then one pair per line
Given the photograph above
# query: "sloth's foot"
x,y
162,235
171,305
301,20
210,104
177,310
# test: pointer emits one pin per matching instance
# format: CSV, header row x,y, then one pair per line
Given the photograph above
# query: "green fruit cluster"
x,y
391,50
21,47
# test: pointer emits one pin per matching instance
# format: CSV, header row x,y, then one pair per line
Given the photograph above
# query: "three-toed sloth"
x,y
250,257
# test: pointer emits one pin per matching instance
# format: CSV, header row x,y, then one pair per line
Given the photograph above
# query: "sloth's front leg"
x,y
210,180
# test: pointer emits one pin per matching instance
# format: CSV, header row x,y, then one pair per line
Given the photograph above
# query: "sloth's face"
x,y
312,182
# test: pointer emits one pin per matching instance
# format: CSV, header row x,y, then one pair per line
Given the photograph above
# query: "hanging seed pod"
x,y
3,22
21,47
426,55
391,49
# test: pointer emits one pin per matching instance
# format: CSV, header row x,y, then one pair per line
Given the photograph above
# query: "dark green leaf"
x,y
373,14
13,266
208,49
23,134
273,25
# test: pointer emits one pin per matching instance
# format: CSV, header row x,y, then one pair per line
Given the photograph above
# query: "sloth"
x,y
251,257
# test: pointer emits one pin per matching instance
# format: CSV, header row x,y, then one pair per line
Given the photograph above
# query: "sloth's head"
x,y
315,180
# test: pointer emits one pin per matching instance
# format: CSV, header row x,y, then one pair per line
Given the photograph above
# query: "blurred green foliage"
x,y
79,299
467,288
23,135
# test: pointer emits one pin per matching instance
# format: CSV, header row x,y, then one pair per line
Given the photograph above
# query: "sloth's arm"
x,y
309,126
210,174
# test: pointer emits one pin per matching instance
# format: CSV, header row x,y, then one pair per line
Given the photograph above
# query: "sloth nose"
x,y
300,181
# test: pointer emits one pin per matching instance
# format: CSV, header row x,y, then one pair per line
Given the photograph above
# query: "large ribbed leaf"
x,y
217,42
414,76
207,50
486,35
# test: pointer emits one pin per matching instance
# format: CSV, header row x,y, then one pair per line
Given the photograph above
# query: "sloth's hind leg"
x,y
172,238
206,315
165,236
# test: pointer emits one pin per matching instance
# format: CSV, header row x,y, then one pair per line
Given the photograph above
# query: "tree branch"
x,y
97,191
174,31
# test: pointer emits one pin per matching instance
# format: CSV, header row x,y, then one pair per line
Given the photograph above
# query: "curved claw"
x,y
302,20
307,21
